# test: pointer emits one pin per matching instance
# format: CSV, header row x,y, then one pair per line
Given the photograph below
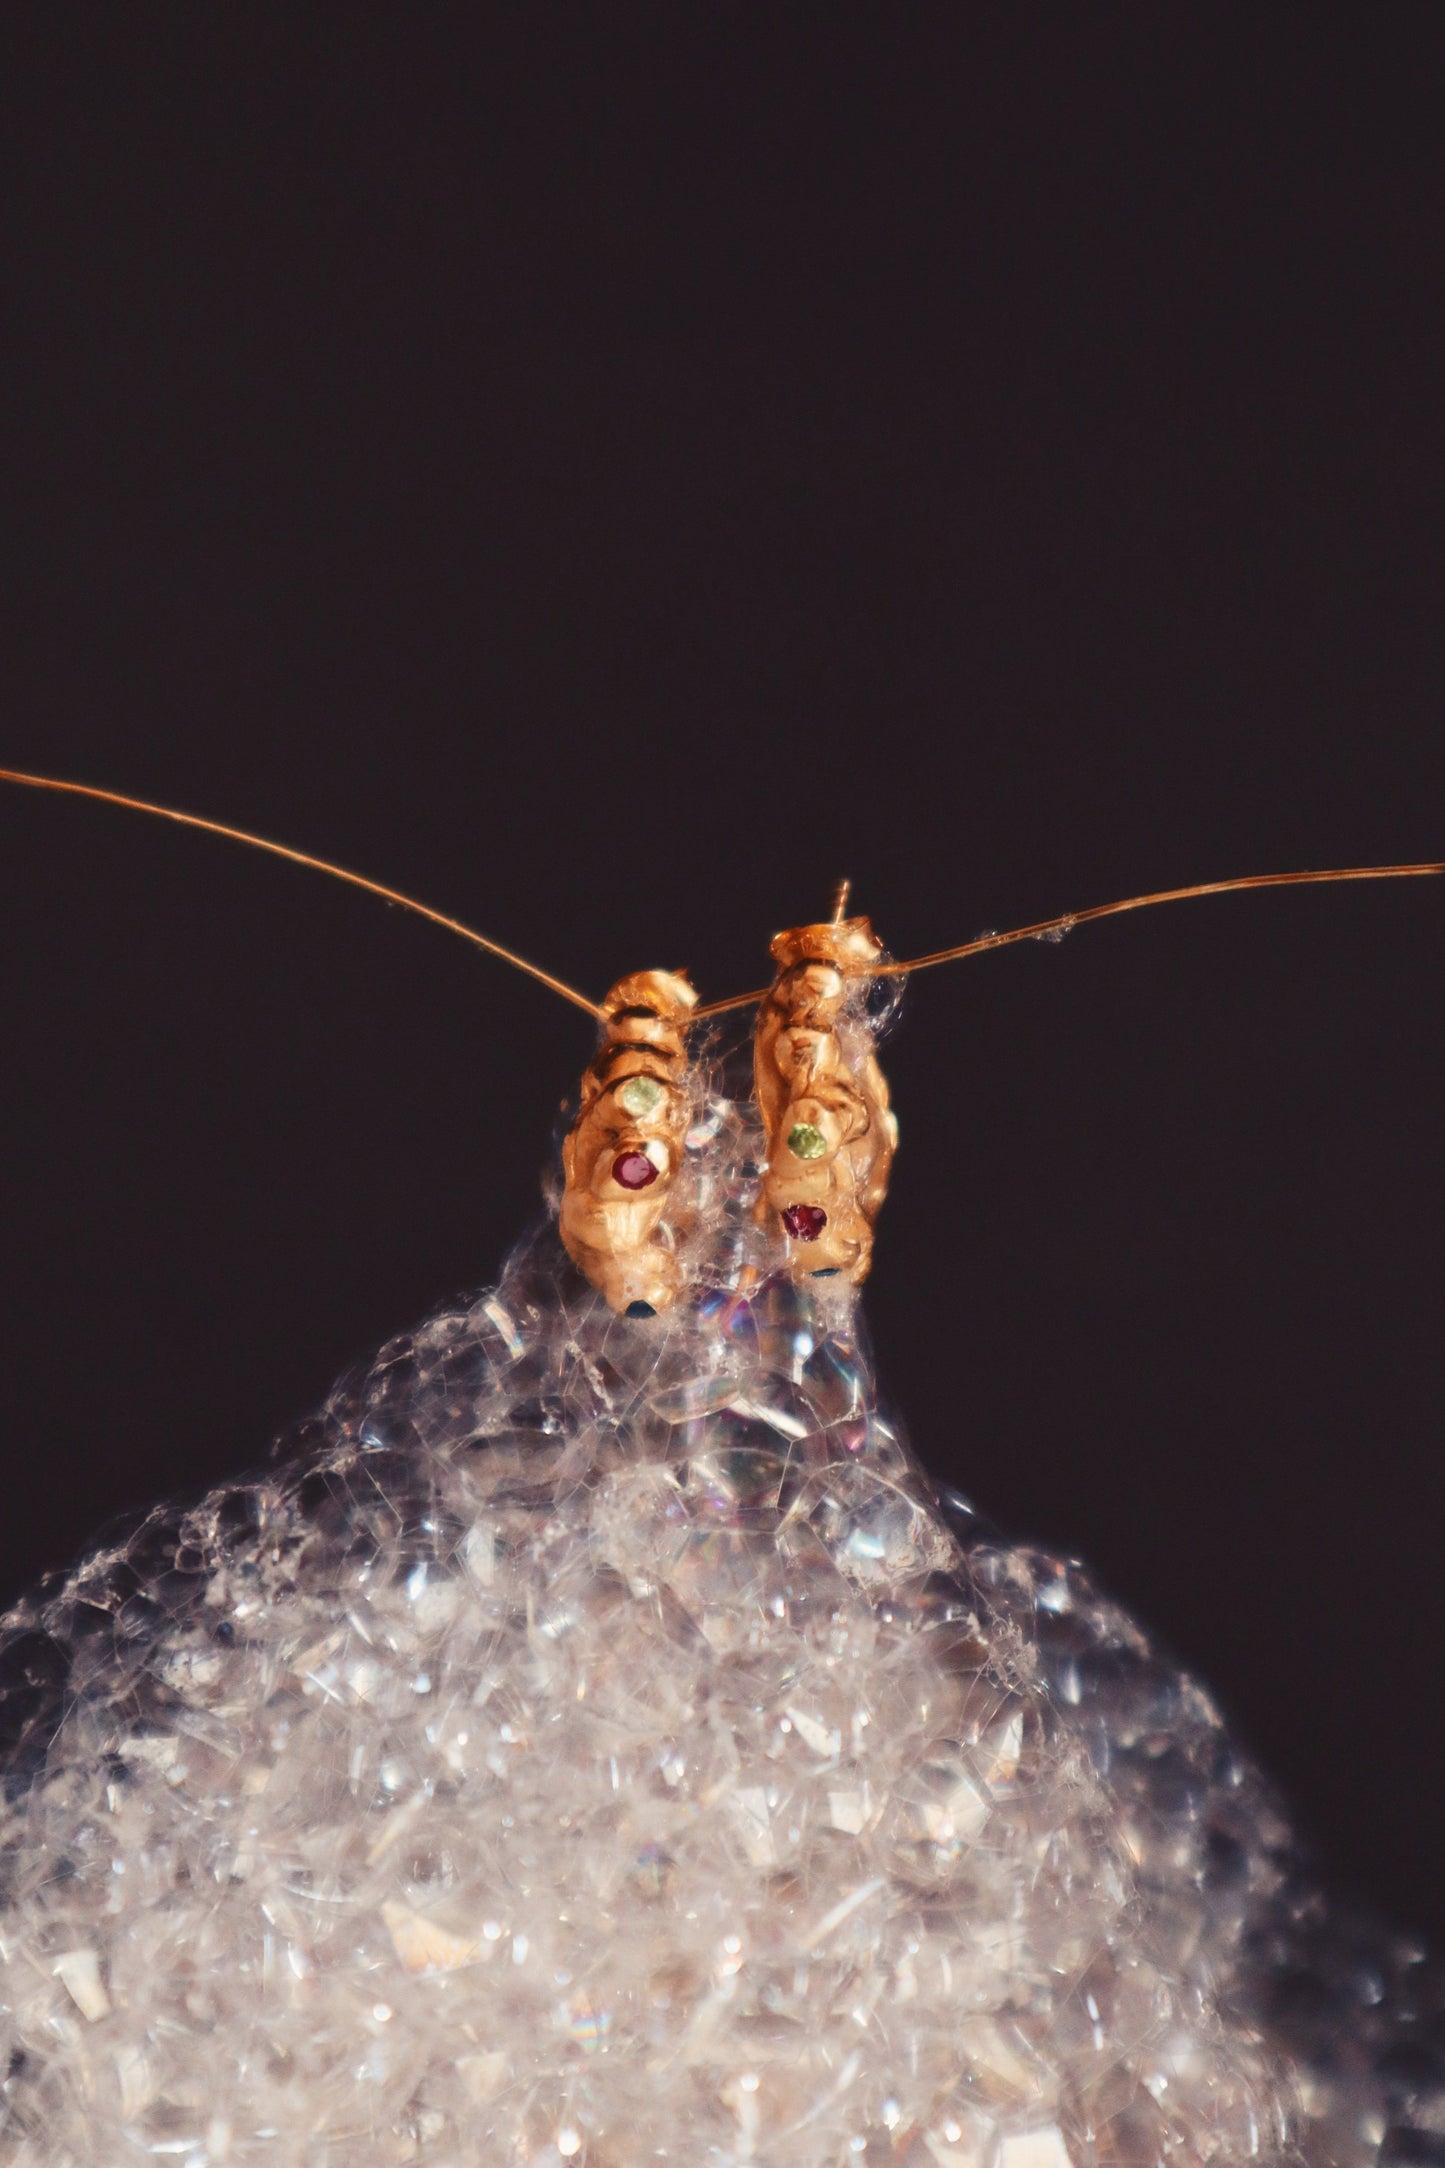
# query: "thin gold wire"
x,y
1046,927
1041,930
317,865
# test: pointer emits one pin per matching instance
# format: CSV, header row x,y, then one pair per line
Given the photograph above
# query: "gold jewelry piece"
x,y
823,1099
624,1150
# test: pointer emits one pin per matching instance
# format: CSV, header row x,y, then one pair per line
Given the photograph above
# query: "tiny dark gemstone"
x,y
825,1272
805,1222
633,1170
640,1309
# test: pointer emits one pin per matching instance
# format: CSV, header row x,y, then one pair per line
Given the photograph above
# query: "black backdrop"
x,y
610,471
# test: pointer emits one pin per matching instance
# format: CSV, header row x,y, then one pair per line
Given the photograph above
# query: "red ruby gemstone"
x,y
633,1170
805,1222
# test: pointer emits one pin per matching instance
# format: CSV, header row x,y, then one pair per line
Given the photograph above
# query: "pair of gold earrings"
x,y
822,1098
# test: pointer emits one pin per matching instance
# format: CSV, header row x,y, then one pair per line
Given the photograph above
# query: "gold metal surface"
x,y
823,1099
635,1105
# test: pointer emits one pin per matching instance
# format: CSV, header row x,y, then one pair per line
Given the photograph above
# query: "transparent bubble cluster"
x,y
595,1741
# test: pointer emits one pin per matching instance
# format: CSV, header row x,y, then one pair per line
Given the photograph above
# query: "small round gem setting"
x,y
639,1095
805,1222
806,1141
633,1170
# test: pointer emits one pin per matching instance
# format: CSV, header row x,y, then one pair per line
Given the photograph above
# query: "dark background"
x,y
611,471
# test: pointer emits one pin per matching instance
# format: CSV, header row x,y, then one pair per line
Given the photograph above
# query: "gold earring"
x,y
823,1099
623,1152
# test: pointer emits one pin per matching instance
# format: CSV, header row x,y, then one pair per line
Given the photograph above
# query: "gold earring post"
x,y
823,1100
619,1218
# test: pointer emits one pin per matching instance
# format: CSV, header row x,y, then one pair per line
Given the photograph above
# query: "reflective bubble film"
x,y
594,1741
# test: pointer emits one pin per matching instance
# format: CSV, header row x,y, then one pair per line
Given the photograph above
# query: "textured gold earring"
x,y
622,1155
823,1099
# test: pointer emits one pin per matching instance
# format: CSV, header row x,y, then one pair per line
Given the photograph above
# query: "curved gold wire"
x,y
1046,927
317,865
1041,930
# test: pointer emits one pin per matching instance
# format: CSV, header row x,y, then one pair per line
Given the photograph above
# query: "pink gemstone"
x,y
805,1222
633,1170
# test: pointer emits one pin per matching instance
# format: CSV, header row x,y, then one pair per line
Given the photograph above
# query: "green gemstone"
x,y
805,1141
639,1095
